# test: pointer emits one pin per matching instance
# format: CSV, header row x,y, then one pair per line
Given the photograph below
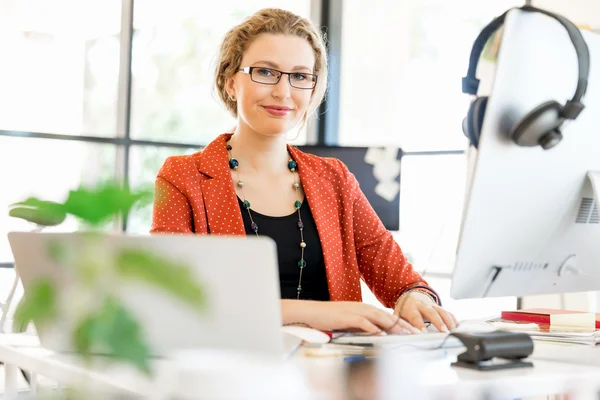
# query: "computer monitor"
x,y
378,173
531,220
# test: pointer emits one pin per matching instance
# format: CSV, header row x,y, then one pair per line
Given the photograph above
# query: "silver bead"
x,y
293,169
296,185
236,167
303,244
240,184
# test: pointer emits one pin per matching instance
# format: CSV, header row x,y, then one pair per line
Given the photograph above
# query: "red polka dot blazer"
x,y
198,196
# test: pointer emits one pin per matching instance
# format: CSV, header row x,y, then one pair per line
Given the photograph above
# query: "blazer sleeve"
x,y
172,212
381,262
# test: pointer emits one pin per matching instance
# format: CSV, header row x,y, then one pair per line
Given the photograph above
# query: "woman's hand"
x,y
343,316
416,307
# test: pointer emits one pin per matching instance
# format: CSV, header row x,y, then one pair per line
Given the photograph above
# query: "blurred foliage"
x,y
172,277
39,305
93,206
105,325
113,330
43,213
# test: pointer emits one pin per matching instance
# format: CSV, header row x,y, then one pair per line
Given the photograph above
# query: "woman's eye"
x,y
265,72
299,77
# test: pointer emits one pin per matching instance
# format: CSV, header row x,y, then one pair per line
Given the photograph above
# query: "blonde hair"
x,y
274,21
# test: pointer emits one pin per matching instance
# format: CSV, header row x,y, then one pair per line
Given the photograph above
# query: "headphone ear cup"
x,y
473,122
540,126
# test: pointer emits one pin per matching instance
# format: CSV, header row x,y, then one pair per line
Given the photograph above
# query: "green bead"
x,y
246,204
297,204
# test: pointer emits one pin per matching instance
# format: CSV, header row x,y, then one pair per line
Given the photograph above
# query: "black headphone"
x,y
551,114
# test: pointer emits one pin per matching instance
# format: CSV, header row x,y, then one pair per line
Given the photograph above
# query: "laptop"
x,y
238,275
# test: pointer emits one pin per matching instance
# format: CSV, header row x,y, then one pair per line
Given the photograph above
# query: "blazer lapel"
x,y
223,212
321,196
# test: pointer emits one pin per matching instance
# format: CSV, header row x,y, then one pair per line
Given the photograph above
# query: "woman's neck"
x,y
259,153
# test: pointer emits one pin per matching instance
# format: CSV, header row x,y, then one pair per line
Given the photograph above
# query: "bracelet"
x,y
413,290
297,324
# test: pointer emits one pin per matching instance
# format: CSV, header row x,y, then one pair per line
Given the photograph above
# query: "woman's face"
x,y
273,109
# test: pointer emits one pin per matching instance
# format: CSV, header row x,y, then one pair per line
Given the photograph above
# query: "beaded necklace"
x,y
293,167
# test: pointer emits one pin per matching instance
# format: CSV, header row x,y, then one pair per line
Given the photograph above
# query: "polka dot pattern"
x,y
195,194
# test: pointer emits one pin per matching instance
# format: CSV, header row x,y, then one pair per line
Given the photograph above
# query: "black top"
x,y
284,231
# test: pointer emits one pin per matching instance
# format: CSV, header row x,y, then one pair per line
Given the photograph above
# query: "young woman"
x,y
272,75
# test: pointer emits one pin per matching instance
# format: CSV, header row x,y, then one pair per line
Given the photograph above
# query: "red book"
x,y
540,315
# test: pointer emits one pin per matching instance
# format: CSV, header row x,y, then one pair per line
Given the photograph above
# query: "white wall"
x,y
580,12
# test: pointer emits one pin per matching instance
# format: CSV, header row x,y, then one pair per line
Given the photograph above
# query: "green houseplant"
x,y
107,324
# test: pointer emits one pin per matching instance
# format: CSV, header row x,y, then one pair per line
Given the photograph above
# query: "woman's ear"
x,y
230,86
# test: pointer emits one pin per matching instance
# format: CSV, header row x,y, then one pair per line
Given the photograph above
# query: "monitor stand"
x,y
569,265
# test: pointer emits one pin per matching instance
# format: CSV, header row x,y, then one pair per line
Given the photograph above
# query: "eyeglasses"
x,y
270,76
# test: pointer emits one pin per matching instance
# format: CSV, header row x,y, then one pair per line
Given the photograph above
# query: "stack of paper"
x,y
545,332
589,338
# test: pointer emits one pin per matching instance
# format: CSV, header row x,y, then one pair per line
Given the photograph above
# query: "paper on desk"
x,y
333,350
587,338
534,330
508,326
568,334
543,332
583,340
578,322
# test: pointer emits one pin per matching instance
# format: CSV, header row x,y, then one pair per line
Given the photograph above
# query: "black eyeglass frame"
x,y
248,70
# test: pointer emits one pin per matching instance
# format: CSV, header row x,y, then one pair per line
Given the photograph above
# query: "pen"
x,y
426,355
357,358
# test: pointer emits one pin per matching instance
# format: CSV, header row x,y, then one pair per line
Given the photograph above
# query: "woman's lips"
x,y
277,111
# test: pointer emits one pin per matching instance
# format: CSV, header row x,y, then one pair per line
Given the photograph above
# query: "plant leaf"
x,y
45,213
125,339
57,251
97,206
38,304
82,335
174,278
113,330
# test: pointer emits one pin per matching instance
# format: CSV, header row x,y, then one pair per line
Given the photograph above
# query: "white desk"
x,y
325,377
68,372
403,377
545,378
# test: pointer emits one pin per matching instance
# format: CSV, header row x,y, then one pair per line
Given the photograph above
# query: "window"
x,y
174,57
401,69
47,169
60,70
431,203
61,85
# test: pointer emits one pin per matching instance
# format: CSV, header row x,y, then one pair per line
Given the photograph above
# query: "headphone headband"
x,y
470,83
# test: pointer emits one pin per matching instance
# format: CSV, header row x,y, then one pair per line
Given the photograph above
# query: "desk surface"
x,y
431,376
